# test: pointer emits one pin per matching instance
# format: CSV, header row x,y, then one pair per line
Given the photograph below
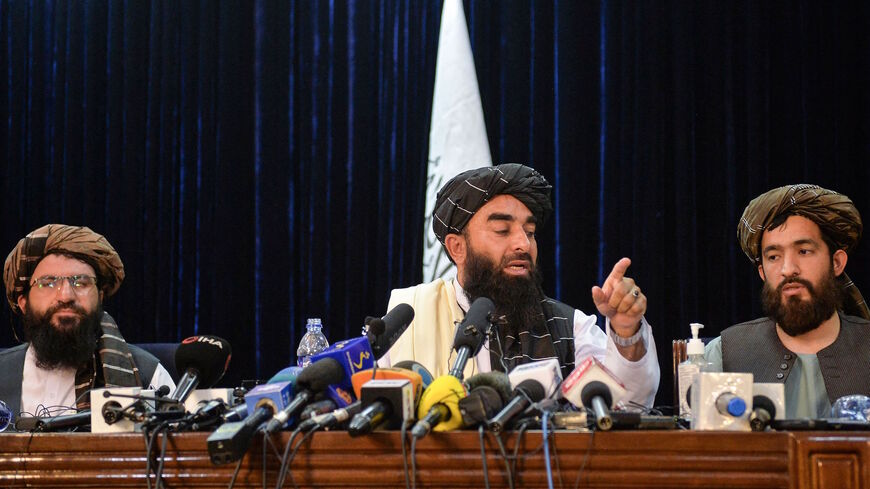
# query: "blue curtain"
x,y
258,163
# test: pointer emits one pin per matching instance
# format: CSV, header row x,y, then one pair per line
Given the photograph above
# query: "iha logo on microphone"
x,y
203,339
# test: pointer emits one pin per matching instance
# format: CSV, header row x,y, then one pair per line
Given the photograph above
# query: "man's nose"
x,y
790,266
521,241
65,290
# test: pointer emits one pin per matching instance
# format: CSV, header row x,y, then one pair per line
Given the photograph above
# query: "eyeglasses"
x,y
79,283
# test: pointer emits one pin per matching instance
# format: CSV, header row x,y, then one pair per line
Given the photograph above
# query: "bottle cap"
x,y
695,346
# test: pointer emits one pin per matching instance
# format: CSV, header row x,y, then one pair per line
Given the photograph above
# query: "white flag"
x,y
457,137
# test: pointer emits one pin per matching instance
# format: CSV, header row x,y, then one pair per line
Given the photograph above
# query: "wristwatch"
x,y
630,341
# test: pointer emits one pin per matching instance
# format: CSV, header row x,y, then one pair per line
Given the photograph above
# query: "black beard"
x,y
516,298
796,316
72,346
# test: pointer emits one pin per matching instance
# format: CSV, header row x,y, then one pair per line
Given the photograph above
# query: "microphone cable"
x,y
480,437
284,468
404,434
585,458
504,456
413,462
545,419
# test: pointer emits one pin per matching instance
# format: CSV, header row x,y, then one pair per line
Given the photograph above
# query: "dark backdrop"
x,y
257,163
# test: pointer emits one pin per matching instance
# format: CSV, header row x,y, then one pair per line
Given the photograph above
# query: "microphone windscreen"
x,y
161,391
384,332
446,390
320,374
472,331
425,375
482,403
533,389
287,374
498,381
389,373
765,403
208,355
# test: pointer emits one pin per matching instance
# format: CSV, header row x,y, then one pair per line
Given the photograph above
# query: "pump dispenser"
x,y
688,370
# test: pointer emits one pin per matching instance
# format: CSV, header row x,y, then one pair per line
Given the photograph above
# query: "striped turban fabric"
x,y
834,213
464,194
118,368
74,240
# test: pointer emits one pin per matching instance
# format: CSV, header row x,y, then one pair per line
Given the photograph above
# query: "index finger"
x,y
618,270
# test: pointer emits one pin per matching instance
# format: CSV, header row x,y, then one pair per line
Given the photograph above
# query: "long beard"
x,y
796,316
518,299
71,345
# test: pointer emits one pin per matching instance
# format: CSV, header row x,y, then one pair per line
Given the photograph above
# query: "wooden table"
x,y
613,459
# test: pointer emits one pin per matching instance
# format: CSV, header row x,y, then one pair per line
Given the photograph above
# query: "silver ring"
x,y
635,292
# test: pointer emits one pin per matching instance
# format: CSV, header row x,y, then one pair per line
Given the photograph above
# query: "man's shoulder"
x,y
854,320
434,288
559,306
754,324
13,351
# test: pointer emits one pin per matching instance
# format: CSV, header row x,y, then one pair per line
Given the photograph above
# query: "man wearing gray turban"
x,y
816,336
57,278
486,220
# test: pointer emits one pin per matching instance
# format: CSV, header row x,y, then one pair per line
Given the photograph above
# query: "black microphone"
x,y
763,411
383,333
527,392
55,423
597,395
204,359
330,419
632,420
487,394
314,378
471,333
317,407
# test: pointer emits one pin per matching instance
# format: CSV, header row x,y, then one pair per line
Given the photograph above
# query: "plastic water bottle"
x,y
312,342
5,416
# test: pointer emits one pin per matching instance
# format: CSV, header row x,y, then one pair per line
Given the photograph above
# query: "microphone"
x,y
439,406
317,407
387,403
471,333
487,394
528,391
231,440
383,333
425,375
385,373
545,373
314,378
591,385
763,411
203,359
55,423
630,420
328,420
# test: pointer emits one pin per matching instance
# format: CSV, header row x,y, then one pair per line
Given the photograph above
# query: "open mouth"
x,y
518,267
792,289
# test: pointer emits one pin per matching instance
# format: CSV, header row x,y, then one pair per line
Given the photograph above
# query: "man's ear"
x,y
761,272
22,302
839,258
456,247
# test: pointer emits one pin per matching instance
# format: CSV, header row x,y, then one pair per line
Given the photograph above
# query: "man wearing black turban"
x,y
57,278
486,220
816,337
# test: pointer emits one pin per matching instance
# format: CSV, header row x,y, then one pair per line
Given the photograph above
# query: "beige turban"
x,y
75,240
834,213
